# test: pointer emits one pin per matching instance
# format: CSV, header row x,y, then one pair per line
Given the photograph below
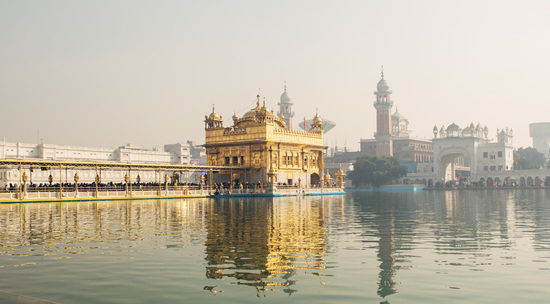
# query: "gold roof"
x,y
260,114
213,115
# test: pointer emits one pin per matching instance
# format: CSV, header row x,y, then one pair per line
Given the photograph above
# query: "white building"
x,y
477,153
171,154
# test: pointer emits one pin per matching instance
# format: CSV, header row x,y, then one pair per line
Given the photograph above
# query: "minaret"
x,y
383,105
285,109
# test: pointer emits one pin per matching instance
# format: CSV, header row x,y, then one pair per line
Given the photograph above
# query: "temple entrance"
x,y
315,179
454,167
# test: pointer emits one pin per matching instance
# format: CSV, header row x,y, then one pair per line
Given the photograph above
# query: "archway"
x,y
497,182
522,181
455,157
482,182
530,181
508,181
315,179
538,181
547,181
490,182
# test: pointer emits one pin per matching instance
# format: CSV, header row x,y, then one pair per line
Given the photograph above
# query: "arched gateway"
x,y
452,154
462,154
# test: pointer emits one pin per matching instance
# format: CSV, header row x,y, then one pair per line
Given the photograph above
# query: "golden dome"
x,y
317,122
213,115
262,114
317,119
327,177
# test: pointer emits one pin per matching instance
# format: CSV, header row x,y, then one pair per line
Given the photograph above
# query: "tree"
x,y
528,158
375,171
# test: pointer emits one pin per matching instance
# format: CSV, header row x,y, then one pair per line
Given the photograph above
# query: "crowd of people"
x,y
111,186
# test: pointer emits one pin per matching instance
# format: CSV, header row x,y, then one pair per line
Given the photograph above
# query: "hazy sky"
x,y
106,73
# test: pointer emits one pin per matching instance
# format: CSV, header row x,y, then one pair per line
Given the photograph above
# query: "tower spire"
x,y
382,72
285,85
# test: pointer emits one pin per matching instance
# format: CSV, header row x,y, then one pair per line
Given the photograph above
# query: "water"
x,y
402,247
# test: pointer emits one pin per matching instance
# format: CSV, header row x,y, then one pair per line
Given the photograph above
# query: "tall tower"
x,y
285,109
383,105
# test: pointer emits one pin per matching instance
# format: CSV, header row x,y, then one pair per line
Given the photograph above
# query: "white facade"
x,y
400,125
172,154
479,154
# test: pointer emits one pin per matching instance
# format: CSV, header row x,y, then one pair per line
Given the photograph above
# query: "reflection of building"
x,y
393,137
261,141
393,225
386,256
540,132
263,243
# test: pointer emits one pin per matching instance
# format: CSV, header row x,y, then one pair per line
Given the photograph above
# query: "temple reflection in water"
x,y
285,244
264,242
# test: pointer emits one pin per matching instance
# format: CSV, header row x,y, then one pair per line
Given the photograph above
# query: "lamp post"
x,y
96,184
25,177
127,180
76,179
166,184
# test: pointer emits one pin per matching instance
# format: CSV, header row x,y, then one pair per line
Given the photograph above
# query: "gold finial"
x,y
258,101
382,72
213,108
264,101
285,85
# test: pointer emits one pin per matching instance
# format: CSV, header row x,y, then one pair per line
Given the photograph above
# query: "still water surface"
x,y
403,247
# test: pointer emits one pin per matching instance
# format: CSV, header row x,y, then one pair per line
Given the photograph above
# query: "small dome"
x,y
284,97
382,86
317,120
213,115
398,116
453,127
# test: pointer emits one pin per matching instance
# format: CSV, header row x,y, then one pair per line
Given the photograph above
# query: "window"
x,y
499,153
485,154
242,160
227,161
493,168
499,168
235,160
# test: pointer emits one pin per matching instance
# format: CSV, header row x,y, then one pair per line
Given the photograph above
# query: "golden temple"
x,y
262,142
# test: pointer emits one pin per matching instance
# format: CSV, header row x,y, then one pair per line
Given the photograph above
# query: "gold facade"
x,y
261,142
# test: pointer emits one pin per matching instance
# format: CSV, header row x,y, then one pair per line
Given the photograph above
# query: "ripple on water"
x,y
395,247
